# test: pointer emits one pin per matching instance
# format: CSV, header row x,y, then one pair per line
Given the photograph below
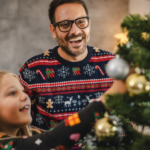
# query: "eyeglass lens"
x,y
66,25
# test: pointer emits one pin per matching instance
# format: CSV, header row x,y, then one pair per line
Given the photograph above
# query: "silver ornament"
x,y
128,44
117,68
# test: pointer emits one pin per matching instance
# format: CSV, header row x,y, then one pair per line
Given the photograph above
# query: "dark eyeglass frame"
x,y
72,21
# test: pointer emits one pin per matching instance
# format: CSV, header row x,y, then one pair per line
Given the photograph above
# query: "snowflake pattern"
x,y
98,94
63,72
79,103
88,97
39,119
84,101
30,75
74,102
41,99
58,99
89,70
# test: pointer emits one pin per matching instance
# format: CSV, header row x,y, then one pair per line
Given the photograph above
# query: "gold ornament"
x,y
136,83
122,38
147,87
105,128
145,36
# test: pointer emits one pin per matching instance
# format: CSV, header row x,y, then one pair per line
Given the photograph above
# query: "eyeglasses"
x,y
66,25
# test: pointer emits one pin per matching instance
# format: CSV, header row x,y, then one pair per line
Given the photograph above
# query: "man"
x,y
66,78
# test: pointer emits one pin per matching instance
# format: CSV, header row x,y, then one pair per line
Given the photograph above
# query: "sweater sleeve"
x,y
63,136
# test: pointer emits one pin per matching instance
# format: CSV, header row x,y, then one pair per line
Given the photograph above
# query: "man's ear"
x,y
89,23
52,29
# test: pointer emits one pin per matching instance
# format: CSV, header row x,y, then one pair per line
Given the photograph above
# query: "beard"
x,y
75,51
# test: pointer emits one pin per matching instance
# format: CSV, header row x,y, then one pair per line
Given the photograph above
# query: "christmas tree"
x,y
132,109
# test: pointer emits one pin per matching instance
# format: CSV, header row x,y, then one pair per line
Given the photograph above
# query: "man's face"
x,y
73,42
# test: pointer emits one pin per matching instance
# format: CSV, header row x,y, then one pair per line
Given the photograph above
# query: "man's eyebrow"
x,y
71,20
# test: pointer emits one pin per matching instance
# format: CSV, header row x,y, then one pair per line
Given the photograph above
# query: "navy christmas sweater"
x,y
59,88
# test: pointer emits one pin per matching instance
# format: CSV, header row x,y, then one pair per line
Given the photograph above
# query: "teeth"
x,y
77,39
26,107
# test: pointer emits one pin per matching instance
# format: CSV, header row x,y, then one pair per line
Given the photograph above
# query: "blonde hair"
x,y
4,73
23,131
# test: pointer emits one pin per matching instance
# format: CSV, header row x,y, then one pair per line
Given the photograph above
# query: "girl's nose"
x,y
24,96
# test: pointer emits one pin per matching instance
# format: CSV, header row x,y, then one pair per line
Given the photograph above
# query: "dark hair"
x,y
55,3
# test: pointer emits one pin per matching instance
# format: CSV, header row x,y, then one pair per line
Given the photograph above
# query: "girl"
x,y
15,117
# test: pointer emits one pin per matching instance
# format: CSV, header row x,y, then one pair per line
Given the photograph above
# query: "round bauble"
x,y
117,68
136,83
105,129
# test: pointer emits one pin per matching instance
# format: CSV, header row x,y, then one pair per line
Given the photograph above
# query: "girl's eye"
x,y
12,93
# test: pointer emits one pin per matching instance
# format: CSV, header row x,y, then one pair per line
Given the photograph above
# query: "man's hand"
x,y
117,87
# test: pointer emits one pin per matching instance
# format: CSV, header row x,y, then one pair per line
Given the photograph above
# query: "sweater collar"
x,y
73,64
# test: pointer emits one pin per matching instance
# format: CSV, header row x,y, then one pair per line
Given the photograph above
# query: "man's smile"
x,y
76,42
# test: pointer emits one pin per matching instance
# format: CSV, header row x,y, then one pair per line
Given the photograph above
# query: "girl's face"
x,y
14,103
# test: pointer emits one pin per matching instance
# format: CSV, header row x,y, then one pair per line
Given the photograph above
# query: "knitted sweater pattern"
x,y
59,88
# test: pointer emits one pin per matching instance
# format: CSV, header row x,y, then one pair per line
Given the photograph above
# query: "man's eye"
x,y
81,21
65,23
12,93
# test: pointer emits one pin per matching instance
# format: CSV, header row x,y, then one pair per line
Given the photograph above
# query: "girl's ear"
x,y
52,29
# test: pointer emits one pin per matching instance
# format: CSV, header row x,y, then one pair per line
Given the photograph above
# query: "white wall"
x,y
141,7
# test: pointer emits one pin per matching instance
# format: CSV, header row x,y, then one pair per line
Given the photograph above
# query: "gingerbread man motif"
x,y
96,49
47,53
49,103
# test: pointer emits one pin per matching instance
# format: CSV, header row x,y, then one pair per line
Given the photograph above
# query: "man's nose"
x,y
75,30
